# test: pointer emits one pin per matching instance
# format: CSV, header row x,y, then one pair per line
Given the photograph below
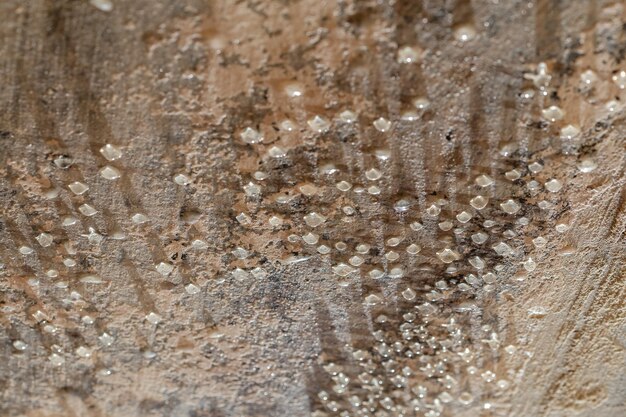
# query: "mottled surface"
x,y
173,84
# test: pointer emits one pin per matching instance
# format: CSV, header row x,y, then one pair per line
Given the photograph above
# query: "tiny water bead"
x,y
553,113
78,188
110,173
479,202
251,136
408,55
620,79
464,33
139,218
510,206
373,174
111,152
570,132
484,180
102,5
382,125
153,318
45,239
553,185
87,210
347,116
181,179
318,124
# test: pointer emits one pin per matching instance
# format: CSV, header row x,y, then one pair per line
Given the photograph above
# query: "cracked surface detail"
x,y
312,208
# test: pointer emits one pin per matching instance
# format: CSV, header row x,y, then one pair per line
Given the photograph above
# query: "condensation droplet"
x,y
373,174
464,33
164,268
570,132
510,206
382,125
153,318
78,188
45,239
251,136
318,124
110,173
484,180
553,113
448,255
87,210
111,152
277,152
554,186
102,5
192,289
479,202
139,218
408,55
181,179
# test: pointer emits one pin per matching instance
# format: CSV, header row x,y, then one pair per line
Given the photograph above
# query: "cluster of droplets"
x,y
438,258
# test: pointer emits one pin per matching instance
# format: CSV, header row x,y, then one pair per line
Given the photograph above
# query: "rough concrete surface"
x,y
211,260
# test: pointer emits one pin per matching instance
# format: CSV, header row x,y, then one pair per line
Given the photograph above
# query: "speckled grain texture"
x,y
174,82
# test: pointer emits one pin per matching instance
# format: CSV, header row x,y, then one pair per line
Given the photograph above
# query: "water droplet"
x,y
106,339
484,180
19,345
314,219
373,174
348,116
45,239
433,211
153,318
319,124
63,162
382,125
343,270
192,289
535,167
251,136
181,179
587,165
529,264
553,113
464,33
164,268
513,175
56,359
111,152
554,186
110,173
83,352
570,132
310,238
139,218
409,55
78,188
372,300
294,90
463,217
537,312
87,210
25,250
448,255
620,79
277,152
510,206
479,202
102,5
